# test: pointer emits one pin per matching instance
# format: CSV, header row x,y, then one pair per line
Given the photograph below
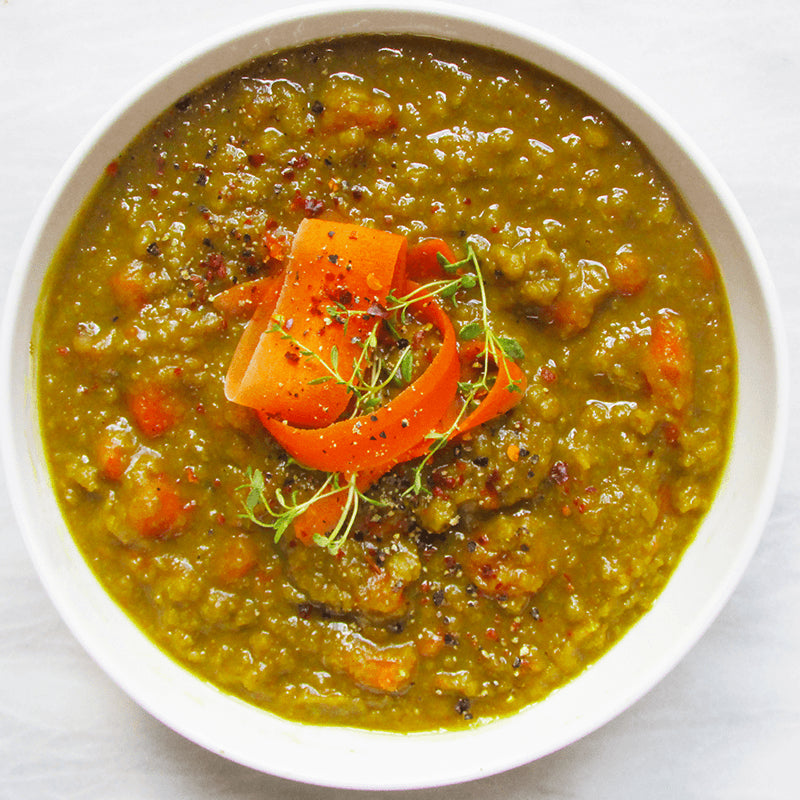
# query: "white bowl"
x,y
694,595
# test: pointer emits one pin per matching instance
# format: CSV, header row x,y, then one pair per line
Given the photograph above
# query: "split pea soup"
x,y
393,217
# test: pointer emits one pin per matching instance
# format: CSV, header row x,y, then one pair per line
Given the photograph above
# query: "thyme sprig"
x,y
472,330
493,345
364,383
279,512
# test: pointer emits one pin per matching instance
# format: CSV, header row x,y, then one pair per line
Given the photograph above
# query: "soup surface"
x,y
464,584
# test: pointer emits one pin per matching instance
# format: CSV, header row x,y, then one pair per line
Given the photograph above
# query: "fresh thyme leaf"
x,y
321,379
253,499
511,347
407,365
472,330
256,479
450,289
335,357
448,266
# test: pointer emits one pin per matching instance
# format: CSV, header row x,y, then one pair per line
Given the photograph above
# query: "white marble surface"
x,y
726,722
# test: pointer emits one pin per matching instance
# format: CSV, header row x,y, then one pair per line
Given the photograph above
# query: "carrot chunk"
x,y
158,509
627,271
237,556
381,669
668,363
112,456
154,407
129,288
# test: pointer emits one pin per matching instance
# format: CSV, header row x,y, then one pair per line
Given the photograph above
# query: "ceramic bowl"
x,y
694,595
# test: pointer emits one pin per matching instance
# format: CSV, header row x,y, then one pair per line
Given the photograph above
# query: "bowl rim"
x,y
367,759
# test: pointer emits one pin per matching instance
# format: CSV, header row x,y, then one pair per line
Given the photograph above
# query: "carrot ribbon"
x,y
280,362
281,365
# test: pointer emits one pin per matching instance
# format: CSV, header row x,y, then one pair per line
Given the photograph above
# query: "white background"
x,y
726,722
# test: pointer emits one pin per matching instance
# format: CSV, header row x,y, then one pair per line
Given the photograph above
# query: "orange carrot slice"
x,y
386,432
283,358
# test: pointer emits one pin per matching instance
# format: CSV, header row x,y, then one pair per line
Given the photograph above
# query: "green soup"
x,y
533,541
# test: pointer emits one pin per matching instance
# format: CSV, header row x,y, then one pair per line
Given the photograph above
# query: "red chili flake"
x,y
214,266
671,433
191,476
547,375
559,473
62,350
200,408
112,168
301,161
492,481
220,519
256,159
310,206
495,229
492,634
487,571
443,480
